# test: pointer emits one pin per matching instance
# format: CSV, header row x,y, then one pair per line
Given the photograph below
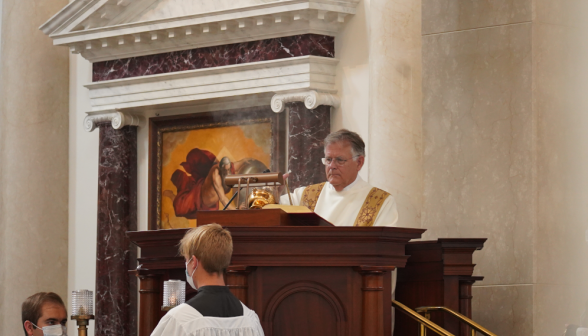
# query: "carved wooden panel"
x,y
287,312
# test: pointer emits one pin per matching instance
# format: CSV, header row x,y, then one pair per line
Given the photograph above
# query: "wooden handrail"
x,y
421,320
475,326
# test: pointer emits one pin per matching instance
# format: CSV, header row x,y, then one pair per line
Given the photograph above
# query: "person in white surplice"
x,y
346,199
214,311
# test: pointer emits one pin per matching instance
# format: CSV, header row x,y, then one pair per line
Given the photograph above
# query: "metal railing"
x,y
473,325
424,323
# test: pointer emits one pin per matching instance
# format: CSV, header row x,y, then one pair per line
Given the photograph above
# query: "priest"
x,y
346,199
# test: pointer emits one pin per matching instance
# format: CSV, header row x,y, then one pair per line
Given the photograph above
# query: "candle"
x,y
82,302
174,293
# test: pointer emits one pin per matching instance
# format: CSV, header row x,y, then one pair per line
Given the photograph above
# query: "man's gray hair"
x,y
356,142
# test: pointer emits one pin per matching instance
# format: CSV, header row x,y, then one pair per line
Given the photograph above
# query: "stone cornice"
x,y
312,99
250,23
286,75
117,119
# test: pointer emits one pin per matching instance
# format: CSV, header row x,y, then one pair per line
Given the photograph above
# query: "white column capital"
x,y
116,118
312,99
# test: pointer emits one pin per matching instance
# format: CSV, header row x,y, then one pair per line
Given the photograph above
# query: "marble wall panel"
x,y
453,15
558,305
306,131
504,310
561,77
478,146
116,290
570,13
395,100
33,160
175,8
211,57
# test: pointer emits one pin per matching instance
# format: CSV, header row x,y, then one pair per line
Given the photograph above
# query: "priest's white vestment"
x,y
184,320
342,207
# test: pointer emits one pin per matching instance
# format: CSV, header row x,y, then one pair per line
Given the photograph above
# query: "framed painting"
x,y
190,155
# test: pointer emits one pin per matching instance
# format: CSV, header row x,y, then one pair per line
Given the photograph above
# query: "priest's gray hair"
x,y
356,142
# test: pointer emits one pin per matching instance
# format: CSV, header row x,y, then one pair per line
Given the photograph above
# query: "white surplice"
x,y
341,207
184,320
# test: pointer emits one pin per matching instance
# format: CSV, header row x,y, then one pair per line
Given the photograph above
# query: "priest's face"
x,y
343,168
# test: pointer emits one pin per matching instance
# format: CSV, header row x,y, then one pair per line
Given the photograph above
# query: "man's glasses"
x,y
338,161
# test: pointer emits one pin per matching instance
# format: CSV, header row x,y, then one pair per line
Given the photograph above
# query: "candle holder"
x,y
174,294
82,304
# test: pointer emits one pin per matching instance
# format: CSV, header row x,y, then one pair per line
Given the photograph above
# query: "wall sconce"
x,y
174,294
82,305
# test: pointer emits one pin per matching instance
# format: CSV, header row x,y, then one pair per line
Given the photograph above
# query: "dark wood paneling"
x,y
437,273
300,280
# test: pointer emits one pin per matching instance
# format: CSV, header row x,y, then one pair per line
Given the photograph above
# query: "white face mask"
x,y
189,277
54,330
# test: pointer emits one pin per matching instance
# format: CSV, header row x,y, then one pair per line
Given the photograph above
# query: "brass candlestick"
x,y
83,321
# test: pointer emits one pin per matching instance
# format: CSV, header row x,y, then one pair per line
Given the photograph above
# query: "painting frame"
x,y
158,126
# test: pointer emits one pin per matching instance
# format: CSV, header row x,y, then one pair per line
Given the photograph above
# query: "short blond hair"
x,y
211,244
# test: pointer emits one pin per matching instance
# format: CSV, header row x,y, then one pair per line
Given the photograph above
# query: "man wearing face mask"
x,y
207,252
44,314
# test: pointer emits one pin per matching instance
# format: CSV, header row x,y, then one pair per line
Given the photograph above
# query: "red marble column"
x,y
116,294
306,131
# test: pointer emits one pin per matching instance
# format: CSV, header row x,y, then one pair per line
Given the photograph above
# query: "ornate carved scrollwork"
x,y
117,119
312,99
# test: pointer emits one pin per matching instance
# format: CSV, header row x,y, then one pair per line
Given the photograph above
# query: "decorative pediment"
x,y
112,29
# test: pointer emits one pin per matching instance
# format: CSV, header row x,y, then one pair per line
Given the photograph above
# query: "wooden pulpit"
x,y
438,273
300,274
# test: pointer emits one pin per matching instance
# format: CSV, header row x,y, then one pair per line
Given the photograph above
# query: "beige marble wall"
x,y
442,16
505,138
505,310
560,51
33,159
395,122
479,147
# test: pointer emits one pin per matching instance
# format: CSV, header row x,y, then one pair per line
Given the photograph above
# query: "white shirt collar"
x,y
357,179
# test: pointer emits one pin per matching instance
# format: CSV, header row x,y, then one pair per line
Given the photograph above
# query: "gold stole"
x,y
368,212
311,194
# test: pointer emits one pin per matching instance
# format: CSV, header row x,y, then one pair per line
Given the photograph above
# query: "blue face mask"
x,y
54,330
189,277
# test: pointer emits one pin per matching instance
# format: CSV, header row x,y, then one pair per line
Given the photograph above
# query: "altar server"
x,y
346,199
214,310
44,313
